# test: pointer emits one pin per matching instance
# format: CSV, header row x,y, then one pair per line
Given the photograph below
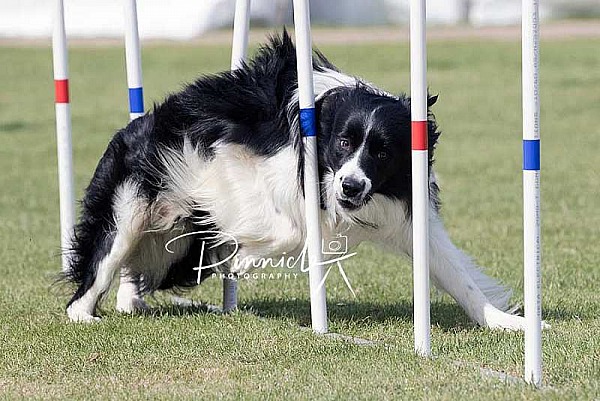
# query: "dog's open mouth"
x,y
348,204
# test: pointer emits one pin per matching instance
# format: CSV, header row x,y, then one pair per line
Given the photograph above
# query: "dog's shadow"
x,y
448,317
443,315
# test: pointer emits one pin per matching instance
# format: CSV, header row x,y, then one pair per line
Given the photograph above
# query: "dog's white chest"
x,y
256,200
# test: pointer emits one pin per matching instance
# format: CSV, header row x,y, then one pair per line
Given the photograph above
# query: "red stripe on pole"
x,y
61,90
419,135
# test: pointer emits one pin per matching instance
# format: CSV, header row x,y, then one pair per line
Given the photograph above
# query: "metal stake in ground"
x,y
239,50
420,176
531,193
318,306
63,131
133,59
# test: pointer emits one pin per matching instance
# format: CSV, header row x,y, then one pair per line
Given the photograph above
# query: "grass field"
x,y
260,353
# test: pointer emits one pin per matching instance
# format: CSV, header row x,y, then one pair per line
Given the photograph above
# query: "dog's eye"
x,y
382,155
345,144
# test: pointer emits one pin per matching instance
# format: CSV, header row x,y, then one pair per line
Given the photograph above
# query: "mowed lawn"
x,y
260,352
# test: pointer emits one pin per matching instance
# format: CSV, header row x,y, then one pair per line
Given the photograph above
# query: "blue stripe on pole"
x,y
531,154
136,100
308,122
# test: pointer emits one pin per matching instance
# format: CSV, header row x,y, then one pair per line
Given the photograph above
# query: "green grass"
x,y
175,353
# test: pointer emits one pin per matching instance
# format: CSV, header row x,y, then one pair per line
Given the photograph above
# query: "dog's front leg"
x,y
483,298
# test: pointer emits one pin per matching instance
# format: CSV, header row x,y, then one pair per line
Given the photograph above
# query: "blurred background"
x,y
188,19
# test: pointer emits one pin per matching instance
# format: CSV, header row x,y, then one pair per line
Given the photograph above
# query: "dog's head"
x,y
365,142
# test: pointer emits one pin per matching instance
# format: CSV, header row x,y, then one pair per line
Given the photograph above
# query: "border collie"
x,y
225,155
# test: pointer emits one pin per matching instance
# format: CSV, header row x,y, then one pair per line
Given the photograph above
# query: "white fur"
x,y
252,198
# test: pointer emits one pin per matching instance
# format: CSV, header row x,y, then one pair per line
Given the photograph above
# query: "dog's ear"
x,y
433,132
325,109
431,100
432,128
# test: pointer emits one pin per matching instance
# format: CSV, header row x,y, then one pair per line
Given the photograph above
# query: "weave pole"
x,y
318,306
63,131
241,26
239,51
531,193
133,59
420,177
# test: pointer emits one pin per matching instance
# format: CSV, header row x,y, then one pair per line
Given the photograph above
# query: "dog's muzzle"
x,y
352,187
352,192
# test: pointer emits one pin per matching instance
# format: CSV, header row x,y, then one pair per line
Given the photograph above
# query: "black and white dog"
x,y
226,155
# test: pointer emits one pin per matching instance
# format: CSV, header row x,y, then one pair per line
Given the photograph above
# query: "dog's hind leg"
x,y
483,298
109,253
129,297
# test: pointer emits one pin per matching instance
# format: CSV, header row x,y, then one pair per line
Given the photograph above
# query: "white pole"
x,y
420,176
531,193
318,306
133,60
239,50
63,131
241,26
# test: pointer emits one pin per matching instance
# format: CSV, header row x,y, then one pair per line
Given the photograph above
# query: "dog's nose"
x,y
352,186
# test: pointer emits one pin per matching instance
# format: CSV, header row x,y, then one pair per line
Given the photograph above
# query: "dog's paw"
x,y
79,315
131,305
505,321
499,320
188,303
